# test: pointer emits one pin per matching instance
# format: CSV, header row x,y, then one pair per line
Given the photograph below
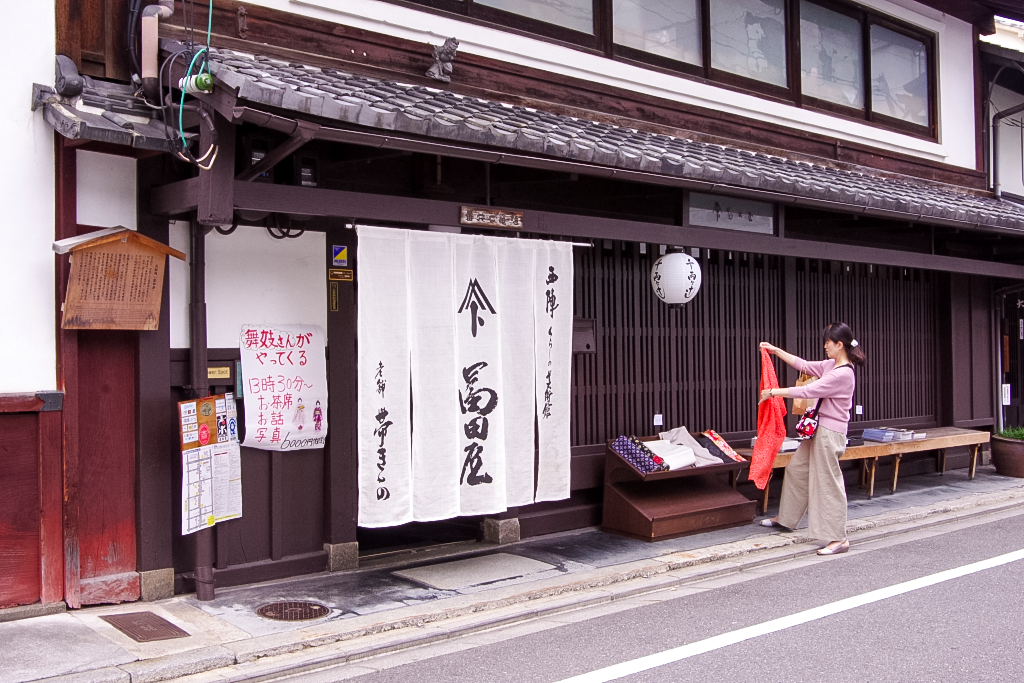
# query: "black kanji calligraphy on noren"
x,y
473,463
481,401
381,431
476,302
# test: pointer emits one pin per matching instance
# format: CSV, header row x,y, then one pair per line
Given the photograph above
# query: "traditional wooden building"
x,y
821,160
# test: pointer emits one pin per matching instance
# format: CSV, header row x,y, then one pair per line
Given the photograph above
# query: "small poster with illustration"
x,y
284,387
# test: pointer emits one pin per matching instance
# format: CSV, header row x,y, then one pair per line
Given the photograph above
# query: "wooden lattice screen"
x,y
699,365
892,313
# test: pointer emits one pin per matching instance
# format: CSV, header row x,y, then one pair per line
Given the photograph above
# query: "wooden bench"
x,y
939,440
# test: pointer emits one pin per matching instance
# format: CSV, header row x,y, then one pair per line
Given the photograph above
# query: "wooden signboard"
x,y
116,280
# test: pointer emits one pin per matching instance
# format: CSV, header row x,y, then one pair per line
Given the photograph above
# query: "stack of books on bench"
x,y
887,434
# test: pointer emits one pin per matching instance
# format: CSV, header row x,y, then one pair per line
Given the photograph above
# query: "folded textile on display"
x,y
634,455
675,456
681,436
659,463
712,438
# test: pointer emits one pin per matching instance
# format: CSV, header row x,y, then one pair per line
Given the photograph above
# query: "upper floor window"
x,y
824,54
748,39
576,15
670,29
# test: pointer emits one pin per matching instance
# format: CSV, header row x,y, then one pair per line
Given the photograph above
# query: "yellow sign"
x,y
220,372
341,274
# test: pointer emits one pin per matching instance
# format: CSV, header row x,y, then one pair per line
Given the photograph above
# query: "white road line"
x,y
676,654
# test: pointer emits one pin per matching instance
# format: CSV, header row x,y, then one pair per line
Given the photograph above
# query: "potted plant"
x,y
1008,452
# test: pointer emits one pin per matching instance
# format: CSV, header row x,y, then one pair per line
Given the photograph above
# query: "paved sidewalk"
x,y
418,600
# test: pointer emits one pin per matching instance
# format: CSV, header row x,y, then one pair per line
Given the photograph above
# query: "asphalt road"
x,y
966,629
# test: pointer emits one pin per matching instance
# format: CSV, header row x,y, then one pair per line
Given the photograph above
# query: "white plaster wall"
x,y
1010,161
956,143
251,278
106,190
27,318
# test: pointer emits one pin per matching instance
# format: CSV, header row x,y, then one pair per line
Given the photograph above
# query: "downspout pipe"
x,y
151,17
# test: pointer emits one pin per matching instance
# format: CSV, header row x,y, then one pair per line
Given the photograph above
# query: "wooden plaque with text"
x,y
116,283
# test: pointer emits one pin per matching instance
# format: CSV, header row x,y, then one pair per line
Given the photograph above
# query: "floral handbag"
x,y
807,426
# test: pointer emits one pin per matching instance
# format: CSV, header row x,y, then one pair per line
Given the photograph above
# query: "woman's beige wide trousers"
x,y
814,483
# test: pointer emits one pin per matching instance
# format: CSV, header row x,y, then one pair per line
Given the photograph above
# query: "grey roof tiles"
x,y
430,112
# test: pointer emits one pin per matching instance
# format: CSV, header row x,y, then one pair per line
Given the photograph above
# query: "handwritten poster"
x,y
284,371
211,462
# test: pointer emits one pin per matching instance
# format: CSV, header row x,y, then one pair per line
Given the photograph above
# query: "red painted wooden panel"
x,y
51,489
19,509
106,458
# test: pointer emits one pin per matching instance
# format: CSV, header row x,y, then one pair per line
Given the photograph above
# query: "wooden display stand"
x,y
662,505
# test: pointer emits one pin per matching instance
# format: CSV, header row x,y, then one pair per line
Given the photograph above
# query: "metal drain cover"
x,y
144,627
295,610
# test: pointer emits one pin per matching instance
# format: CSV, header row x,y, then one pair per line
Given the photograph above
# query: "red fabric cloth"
x,y
771,426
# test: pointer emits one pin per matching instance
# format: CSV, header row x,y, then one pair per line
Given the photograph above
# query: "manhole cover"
x,y
296,610
144,627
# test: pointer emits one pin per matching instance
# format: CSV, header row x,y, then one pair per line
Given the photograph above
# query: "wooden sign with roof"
x,y
116,280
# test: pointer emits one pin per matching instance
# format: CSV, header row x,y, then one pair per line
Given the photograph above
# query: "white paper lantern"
x,y
675,278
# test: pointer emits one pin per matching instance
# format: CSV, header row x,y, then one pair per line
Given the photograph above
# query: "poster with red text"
x,y
284,386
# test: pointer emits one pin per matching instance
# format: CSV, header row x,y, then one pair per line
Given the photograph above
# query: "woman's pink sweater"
x,y
835,388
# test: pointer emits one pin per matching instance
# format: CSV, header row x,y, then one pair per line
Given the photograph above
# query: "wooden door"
x,y
106,466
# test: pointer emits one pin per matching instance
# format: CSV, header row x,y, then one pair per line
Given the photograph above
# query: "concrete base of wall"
x,y
29,611
342,556
156,584
501,531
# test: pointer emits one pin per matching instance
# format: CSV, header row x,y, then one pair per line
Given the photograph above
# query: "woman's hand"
x,y
765,395
771,349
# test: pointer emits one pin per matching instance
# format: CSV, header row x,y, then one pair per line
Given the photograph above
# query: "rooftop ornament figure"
x,y
443,57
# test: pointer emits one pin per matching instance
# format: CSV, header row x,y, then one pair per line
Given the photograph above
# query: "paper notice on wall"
x,y
227,481
211,462
285,386
197,489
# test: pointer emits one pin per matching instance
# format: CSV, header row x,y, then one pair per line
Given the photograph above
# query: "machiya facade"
x,y
819,159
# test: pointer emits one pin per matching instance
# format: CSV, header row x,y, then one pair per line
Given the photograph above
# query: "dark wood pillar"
x,y
156,433
65,224
200,383
341,466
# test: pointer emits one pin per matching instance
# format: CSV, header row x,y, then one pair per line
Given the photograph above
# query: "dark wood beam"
x,y
175,198
310,201
216,184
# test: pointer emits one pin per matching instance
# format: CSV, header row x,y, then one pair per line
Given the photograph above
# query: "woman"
x,y
814,480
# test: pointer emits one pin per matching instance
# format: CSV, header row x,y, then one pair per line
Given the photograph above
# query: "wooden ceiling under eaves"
x,y
979,12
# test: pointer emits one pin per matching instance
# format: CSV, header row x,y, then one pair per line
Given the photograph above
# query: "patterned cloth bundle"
x,y
633,451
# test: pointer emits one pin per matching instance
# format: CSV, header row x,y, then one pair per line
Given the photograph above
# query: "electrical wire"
x,y
199,63
283,232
